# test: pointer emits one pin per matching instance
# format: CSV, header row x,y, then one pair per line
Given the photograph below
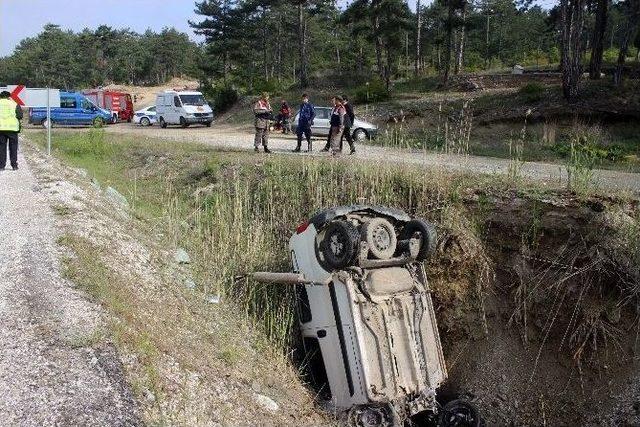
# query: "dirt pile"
x,y
144,96
560,307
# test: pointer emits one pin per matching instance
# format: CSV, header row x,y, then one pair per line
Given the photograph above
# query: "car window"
x,y
322,113
176,101
86,105
68,103
151,109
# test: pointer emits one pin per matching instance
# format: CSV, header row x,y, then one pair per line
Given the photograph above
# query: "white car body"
x,y
369,328
361,130
182,108
146,116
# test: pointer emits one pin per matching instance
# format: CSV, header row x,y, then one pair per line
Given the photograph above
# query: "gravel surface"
x,y
53,368
554,175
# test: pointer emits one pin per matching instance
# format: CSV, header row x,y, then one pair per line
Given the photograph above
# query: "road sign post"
x,y
49,121
36,98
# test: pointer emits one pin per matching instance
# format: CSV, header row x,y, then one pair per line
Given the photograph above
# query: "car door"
x,y
321,122
65,114
177,109
86,112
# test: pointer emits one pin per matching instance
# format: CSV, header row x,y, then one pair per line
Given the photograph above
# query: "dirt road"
x,y
554,175
52,371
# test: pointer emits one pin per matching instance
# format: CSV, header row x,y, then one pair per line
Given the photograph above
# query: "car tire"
x,y
98,122
208,124
183,123
163,124
360,135
381,238
129,120
145,121
428,237
459,412
340,244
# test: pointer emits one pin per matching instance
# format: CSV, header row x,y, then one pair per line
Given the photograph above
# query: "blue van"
x,y
75,109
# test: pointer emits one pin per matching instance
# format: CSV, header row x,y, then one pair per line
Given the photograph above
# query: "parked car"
x,y
361,130
118,103
182,108
75,109
367,319
146,116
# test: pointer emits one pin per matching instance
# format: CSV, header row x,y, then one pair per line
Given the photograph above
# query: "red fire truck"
x,y
119,103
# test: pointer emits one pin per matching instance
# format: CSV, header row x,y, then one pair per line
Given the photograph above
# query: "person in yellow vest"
x,y
10,116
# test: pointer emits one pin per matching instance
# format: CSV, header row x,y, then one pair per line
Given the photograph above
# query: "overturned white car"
x,y
366,315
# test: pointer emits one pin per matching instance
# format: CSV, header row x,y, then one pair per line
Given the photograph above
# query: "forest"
x,y
253,45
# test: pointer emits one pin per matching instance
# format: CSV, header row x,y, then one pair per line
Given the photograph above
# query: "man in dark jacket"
x,y
306,114
10,116
348,124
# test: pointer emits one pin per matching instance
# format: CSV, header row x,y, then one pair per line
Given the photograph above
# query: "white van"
x,y
182,108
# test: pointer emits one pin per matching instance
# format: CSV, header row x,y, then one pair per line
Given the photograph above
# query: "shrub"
x,y
224,98
374,91
532,91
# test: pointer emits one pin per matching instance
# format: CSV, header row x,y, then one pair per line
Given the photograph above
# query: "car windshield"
x,y
193,100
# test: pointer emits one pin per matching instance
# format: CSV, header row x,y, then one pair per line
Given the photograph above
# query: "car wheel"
x,y
381,238
129,120
459,413
360,135
371,416
145,121
98,122
183,122
163,124
208,124
426,235
340,244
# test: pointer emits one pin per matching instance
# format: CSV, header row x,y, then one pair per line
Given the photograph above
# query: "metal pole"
x,y
49,122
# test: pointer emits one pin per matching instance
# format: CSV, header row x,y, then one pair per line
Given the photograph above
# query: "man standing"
x,y
306,115
348,123
10,116
263,113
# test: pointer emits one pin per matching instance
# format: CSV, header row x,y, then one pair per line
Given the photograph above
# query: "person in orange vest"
x,y
263,113
10,116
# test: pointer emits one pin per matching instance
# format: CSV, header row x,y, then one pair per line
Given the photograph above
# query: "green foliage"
x,y
532,92
221,97
374,91
91,58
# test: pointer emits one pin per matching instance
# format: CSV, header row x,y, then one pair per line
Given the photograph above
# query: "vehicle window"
x,y
176,101
151,109
86,105
68,103
322,113
197,100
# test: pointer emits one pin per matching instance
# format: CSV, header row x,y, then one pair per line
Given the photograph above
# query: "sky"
x,y
25,18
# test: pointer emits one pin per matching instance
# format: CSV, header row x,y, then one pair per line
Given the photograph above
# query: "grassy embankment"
x,y
234,213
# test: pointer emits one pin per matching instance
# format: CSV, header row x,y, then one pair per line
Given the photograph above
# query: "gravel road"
x,y
224,136
53,370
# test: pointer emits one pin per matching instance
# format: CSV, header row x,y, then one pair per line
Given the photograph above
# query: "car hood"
x,y
193,109
324,216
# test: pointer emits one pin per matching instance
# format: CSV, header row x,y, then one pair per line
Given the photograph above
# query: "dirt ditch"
x,y
539,317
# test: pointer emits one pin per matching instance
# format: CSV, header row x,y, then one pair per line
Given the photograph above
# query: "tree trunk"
x,y
378,46
630,33
597,41
572,20
449,44
417,64
265,56
302,47
460,53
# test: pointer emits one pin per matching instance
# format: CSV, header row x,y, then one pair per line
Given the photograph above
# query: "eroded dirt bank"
x,y
547,332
